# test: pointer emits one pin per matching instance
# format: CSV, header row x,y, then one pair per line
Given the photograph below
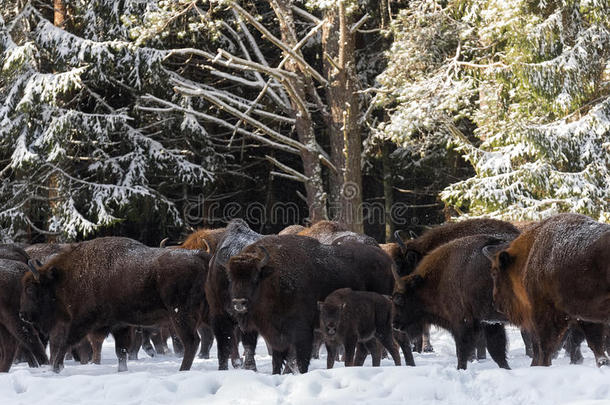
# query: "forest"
x,y
149,118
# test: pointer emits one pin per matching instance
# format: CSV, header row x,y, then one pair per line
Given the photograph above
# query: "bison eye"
x,y
30,290
398,299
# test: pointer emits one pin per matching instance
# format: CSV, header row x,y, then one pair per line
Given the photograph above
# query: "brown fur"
x,y
292,230
350,317
110,282
195,240
279,298
452,288
555,273
323,228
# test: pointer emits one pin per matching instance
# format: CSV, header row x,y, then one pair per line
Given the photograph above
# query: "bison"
x,y
112,282
15,332
407,254
452,288
275,284
555,274
350,317
237,236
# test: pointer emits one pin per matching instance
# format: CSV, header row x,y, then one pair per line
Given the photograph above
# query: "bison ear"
x,y
412,258
505,259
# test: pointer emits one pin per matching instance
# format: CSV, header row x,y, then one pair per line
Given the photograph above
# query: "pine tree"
x,y
521,88
68,102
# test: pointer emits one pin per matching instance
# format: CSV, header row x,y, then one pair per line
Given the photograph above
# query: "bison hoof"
x,y
57,369
250,365
603,361
428,349
205,356
237,363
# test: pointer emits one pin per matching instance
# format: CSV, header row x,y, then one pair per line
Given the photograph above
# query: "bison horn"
x,y
265,258
163,243
488,253
206,245
397,279
400,242
413,235
33,269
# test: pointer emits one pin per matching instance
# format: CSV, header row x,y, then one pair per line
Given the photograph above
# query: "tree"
x,y
521,88
68,100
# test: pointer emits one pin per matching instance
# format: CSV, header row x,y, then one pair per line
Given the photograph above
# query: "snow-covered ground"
x,y
434,380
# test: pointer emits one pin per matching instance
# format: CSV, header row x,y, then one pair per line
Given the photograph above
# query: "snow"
x,y
435,380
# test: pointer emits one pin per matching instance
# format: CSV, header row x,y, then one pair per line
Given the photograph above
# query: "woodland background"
x,y
145,118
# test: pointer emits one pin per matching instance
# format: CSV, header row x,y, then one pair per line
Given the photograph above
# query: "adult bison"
x,y
452,288
556,273
206,239
277,281
112,282
407,254
236,237
14,332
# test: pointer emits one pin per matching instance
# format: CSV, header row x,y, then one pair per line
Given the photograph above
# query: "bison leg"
x,y
387,341
277,360
121,346
249,340
177,344
82,351
207,339
362,351
495,336
331,350
350,348
549,331
147,344
135,337
404,342
464,345
186,328
223,332
96,340
375,349
8,346
594,333
159,339
317,343
425,340
481,345
527,341
574,337
26,336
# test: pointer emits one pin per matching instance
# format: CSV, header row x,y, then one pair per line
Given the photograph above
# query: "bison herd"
x,y
308,286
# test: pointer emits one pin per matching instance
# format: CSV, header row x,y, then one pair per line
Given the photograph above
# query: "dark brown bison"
x,y
408,253
556,273
331,232
109,282
452,288
237,236
277,281
10,251
15,332
206,239
349,318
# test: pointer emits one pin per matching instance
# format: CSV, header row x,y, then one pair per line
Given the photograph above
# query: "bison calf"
x,y
350,317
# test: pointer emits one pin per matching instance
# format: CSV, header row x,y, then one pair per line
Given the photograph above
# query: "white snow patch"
x,y
435,380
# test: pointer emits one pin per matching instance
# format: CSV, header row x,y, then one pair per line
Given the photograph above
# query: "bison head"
x,y
330,317
37,294
246,271
406,302
407,260
507,289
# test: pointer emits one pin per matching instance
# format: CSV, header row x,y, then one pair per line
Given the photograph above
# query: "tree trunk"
x,y
388,193
312,167
59,20
346,146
